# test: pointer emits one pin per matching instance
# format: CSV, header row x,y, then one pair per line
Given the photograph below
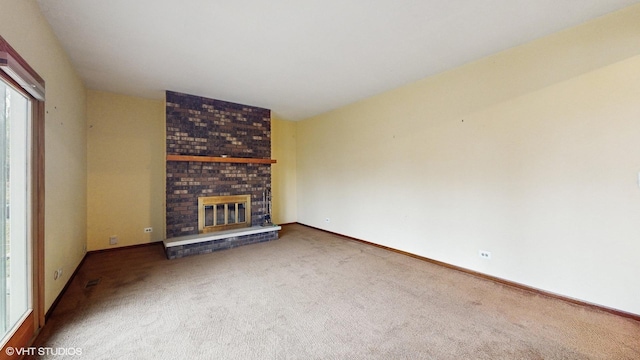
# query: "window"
x,y
15,242
21,200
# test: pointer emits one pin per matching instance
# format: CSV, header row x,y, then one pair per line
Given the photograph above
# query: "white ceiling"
x,y
296,57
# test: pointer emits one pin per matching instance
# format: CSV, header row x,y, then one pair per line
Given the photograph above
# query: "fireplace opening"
x,y
216,213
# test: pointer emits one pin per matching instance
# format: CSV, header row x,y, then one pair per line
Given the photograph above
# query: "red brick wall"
x,y
208,127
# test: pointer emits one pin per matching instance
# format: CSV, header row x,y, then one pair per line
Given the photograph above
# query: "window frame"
x,y
24,79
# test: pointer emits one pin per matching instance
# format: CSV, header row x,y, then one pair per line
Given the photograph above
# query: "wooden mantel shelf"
x,y
219,159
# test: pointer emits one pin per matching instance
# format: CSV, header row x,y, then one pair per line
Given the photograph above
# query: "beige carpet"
x,y
312,295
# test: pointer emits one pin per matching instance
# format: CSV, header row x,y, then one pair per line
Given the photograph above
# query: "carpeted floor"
x,y
312,295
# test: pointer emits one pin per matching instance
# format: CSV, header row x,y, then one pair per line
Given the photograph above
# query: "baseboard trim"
x,y
64,289
66,286
159,242
513,284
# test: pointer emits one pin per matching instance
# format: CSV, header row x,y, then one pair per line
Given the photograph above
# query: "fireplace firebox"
x,y
217,213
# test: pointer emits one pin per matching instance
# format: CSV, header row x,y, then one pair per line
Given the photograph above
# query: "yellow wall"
x,y
531,154
126,169
283,173
24,27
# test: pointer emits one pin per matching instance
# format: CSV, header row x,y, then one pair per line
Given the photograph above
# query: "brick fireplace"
x,y
214,149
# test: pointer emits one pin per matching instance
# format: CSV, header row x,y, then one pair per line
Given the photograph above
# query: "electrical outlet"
x,y
148,230
327,220
485,254
113,240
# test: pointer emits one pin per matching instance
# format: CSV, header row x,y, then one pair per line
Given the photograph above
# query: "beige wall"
x,y
531,154
126,169
23,26
283,173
